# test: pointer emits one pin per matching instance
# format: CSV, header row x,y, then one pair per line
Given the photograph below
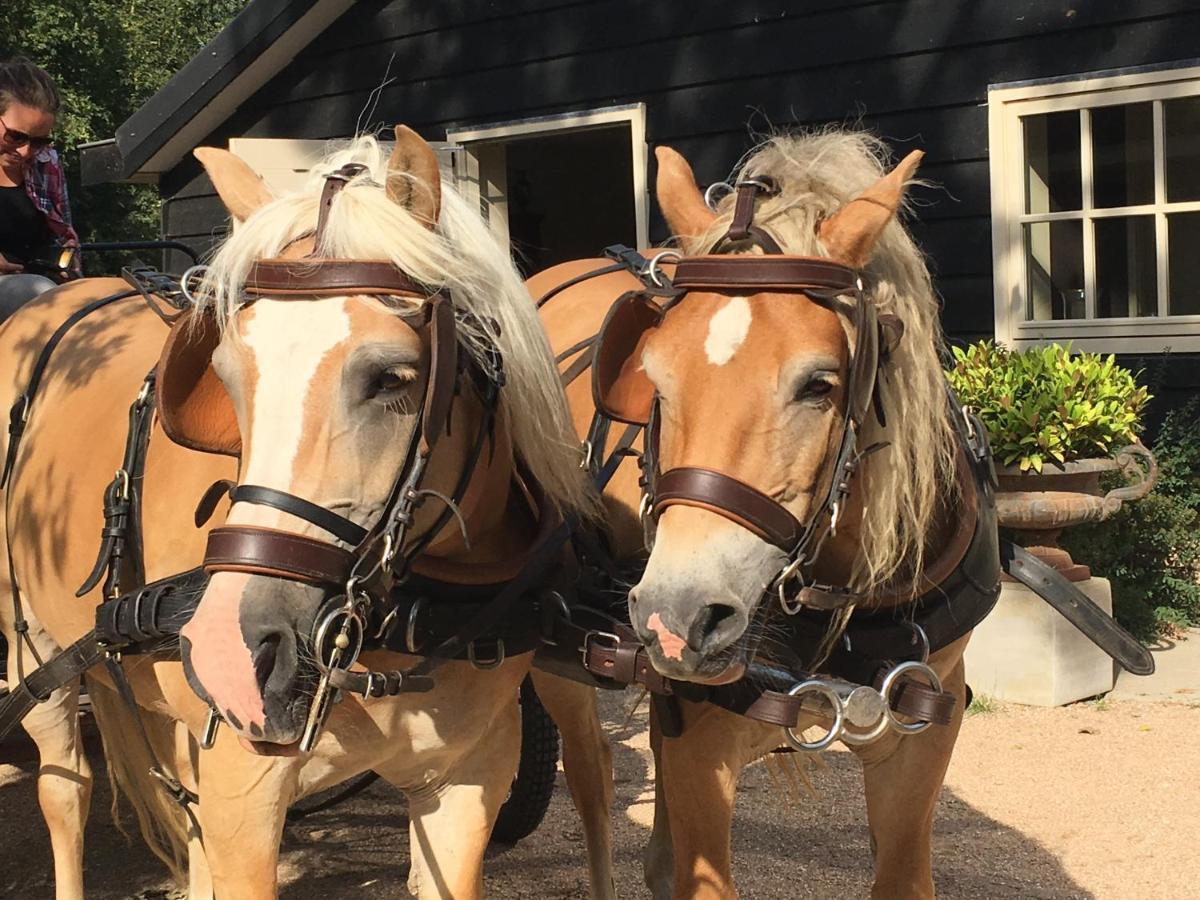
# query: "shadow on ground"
x,y
786,844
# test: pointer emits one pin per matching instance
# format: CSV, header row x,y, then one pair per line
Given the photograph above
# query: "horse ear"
x,y
849,235
413,178
679,198
241,189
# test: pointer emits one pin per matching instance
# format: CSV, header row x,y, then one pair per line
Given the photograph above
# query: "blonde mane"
x,y
905,484
460,257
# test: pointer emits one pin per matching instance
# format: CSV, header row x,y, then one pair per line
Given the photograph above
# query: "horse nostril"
x,y
264,660
707,623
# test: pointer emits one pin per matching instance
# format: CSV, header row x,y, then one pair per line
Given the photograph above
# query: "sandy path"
x,y
1095,800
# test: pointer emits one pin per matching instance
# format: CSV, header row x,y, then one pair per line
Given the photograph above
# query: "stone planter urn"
x,y
1025,651
1036,507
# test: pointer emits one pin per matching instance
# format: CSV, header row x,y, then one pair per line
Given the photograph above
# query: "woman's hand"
x,y
9,268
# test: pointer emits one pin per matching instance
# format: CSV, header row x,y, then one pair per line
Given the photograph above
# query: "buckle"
x,y
614,642
486,665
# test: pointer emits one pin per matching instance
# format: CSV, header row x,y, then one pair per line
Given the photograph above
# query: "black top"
x,y
23,230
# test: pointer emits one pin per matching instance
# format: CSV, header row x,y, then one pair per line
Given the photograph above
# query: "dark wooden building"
x,y
1064,135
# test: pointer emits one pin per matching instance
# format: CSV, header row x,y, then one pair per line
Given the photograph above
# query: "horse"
x,y
326,400
787,372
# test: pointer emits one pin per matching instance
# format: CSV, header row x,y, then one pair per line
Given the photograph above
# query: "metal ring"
x,y
344,617
410,629
144,393
815,686
855,739
710,201
889,682
652,266
919,633
197,270
488,664
764,183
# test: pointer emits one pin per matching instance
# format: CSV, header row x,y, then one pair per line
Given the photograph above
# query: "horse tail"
x,y
162,821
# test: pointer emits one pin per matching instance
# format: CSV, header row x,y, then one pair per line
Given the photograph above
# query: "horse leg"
x,y
587,763
64,781
243,802
450,821
658,860
699,772
903,776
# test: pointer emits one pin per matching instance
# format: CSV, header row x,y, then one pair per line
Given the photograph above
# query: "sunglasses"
x,y
18,139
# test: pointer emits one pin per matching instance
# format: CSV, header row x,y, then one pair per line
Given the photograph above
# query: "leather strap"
x,y
279,554
775,706
762,273
1077,608
282,279
38,685
339,526
334,182
728,497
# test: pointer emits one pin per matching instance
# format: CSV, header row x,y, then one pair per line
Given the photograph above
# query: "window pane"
x,y
1181,124
1183,237
1126,268
1054,270
1052,180
1123,155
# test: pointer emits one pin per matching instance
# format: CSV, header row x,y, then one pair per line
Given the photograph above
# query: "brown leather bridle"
x,y
623,392
357,578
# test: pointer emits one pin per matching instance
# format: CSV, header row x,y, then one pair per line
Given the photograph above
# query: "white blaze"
x,y
288,346
727,330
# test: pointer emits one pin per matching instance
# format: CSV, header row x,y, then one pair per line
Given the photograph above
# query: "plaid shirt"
x,y
46,185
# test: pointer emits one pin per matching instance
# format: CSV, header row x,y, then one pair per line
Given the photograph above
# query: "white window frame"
x,y
481,174
1006,106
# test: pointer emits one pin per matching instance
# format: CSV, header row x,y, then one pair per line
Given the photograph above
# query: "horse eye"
x,y
814,388
392,381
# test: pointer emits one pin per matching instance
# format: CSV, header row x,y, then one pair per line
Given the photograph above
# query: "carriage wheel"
x,y
529,798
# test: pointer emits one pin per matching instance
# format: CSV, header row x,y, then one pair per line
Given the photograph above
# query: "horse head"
x,y
754,387
327,361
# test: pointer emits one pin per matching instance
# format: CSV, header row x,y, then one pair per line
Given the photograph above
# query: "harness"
x,y
877,671
378,597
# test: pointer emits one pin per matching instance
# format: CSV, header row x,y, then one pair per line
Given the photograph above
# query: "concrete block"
x,y
1026,652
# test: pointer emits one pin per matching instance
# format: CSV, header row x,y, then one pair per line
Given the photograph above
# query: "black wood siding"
x,y
914,71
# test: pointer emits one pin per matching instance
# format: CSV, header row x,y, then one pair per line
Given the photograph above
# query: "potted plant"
x,y
1057,422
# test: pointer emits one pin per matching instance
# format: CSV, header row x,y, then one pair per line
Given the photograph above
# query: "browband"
x,y
282,278
748,274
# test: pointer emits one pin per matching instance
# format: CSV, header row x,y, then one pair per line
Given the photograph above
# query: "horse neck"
x,y
496,514
945,545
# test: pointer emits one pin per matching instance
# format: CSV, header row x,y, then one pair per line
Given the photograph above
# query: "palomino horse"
x,y
760,384
323,396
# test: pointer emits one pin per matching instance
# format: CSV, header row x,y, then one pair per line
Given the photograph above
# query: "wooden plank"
x,y
395,21
710,44
966,304
194,215
878,86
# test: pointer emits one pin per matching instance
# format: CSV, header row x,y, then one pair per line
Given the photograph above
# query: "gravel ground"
x,y
1094,800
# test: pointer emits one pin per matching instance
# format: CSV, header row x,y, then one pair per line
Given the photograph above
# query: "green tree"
x,y
109,57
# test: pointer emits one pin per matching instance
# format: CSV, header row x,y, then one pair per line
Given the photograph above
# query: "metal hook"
x,y
710,200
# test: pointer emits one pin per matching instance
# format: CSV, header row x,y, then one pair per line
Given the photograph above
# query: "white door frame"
x,y
483,173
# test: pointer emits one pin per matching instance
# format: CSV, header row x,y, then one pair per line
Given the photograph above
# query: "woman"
x,y
35,215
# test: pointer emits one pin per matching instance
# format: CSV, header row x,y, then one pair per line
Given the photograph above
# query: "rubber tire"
x,y
537,773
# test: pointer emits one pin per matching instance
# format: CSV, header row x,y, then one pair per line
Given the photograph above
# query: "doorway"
x,y
563,187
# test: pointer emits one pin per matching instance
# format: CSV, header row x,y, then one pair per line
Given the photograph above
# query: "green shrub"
x,y
1048,404
1150,550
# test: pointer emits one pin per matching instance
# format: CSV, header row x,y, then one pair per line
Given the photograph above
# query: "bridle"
x,y
622,391
358,578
